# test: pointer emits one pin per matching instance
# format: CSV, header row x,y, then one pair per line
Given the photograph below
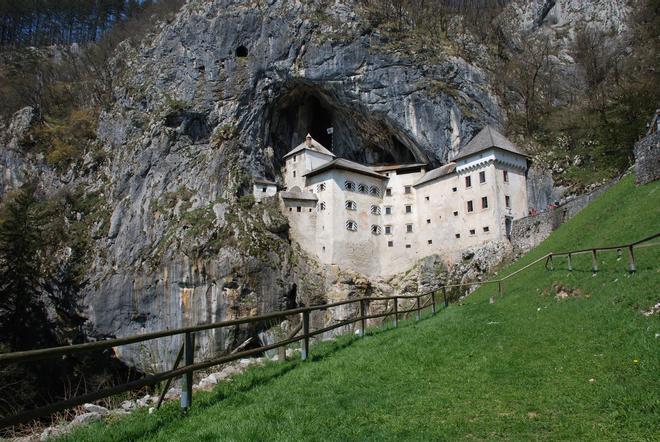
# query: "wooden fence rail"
x,y
187,351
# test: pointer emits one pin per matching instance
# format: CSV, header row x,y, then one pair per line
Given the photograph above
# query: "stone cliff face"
x,y
215,98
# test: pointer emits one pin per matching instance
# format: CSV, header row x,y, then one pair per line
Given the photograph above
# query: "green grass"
x,y
526,367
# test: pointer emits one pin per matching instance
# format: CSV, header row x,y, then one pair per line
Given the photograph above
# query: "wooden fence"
x,y
187,350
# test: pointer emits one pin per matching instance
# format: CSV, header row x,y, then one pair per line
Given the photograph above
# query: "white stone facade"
x,y
381,220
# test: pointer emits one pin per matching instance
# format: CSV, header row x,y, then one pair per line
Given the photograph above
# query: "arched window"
x,y
375,210
349,185
322,206
350,205
374,190
320,187
376,229
363,188
351,225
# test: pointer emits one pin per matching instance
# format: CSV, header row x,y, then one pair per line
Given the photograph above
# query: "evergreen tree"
x,y
23,319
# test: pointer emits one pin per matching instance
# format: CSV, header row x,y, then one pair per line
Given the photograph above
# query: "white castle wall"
x,y
323,233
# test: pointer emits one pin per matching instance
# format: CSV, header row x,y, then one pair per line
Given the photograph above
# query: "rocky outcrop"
x,y
215,98
647,159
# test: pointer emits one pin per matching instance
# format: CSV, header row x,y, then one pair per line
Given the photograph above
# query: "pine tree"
x,y
23,319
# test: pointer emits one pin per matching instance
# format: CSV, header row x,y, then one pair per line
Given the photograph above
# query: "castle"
x,y
380,220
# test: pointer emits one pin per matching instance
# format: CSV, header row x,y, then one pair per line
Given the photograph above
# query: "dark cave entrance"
x,y
358,135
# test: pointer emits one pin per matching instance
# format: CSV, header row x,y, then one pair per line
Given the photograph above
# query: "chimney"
x,y
308,140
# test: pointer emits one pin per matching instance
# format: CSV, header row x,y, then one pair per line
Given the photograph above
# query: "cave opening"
x,y
357,135
241,51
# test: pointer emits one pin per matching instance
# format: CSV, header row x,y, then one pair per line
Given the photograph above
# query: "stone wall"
x,y
647,159
528,232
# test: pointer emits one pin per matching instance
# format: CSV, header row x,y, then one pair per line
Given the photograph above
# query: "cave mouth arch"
x,y
358,135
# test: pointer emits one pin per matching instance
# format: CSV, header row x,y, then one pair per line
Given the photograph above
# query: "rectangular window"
x,y
470,206
430,241
472,231
454,189
458,235
409,228
427,198
294,158
388,230
298,209
263,189
388,192
486,229
505,173
388,210
482,177
408,209
390,243
507,201
407,189
484,202
428,221
468,181
407,246
290,209
456,213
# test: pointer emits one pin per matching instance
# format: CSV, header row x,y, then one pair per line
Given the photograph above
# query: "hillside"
x,y
529,366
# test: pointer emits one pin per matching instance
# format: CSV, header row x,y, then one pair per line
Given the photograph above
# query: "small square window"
x,y
298,209
472,231
263,189
430,241
505,174
408,209
324,248
470,206
407,246
409,228
468,181
388,230
390,243
458,235
482,177
427,198
407,189
388,192
456,213
388,210
428,221
486,229
454,189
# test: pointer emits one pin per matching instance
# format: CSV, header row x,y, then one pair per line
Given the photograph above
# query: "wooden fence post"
x,y
363,321
418,313
594,261
187,381
632,268
444,293
396,311
433,302
570,262
304,351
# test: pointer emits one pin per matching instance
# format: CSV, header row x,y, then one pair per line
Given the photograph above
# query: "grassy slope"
x,y
516,369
